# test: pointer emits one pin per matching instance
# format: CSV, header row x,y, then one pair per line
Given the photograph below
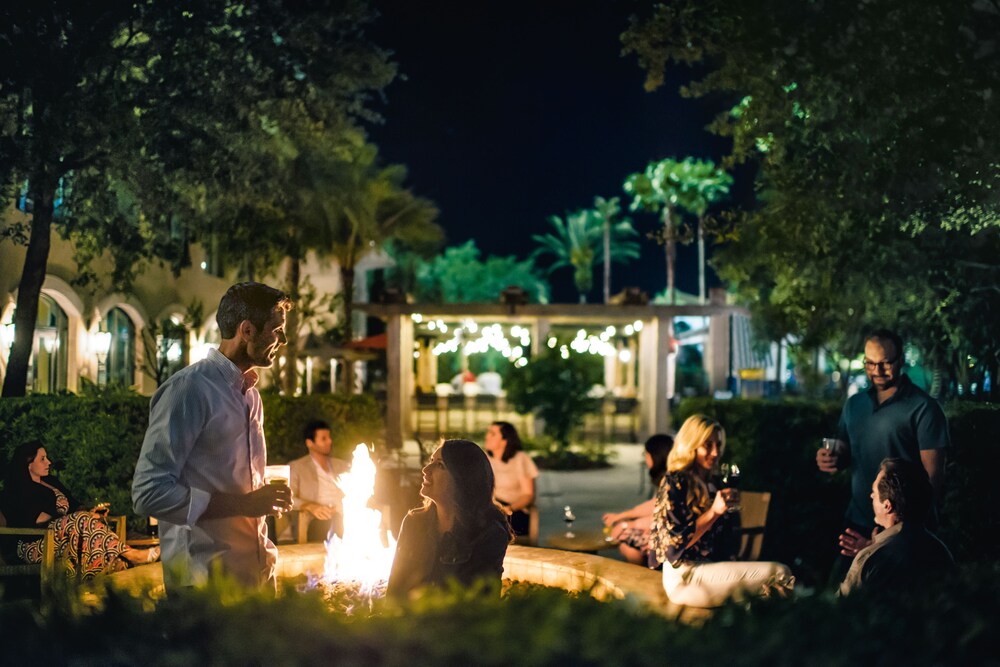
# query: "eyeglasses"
x,y
881,365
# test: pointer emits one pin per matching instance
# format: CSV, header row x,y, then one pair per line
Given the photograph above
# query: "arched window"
x,y
49,360
120,367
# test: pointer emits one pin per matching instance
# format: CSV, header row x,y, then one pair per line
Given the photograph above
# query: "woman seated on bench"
x,y
695,531
631,527
460,533
33,499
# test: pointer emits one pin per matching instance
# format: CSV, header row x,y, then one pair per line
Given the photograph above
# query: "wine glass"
x,y
569,518
730,480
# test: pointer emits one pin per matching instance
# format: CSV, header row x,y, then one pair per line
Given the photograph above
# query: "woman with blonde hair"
x,y
695,531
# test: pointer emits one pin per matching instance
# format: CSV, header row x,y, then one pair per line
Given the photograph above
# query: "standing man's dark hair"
x,y
249,301
906,486
884,335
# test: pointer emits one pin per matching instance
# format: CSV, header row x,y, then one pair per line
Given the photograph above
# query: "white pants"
x,y
711,584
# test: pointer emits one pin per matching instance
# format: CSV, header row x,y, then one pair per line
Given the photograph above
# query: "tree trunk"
x,y
347,285
701,259
290,376
42,189
991,367
670,248
607,259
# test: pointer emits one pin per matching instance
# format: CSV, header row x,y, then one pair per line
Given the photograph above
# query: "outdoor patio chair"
x,y
754,516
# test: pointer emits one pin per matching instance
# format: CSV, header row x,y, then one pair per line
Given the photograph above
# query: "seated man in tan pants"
x,y
315,483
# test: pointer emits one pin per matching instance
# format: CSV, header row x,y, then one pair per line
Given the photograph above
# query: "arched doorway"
x,y
120,365
49,352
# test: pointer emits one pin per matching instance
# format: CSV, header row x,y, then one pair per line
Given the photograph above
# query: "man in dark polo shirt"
x,y
892,419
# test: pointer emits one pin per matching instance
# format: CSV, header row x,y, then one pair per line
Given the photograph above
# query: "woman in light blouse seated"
x,y
695,531
459,534
515,474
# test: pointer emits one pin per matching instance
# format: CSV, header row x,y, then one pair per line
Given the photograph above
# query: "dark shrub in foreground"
x,y
955,623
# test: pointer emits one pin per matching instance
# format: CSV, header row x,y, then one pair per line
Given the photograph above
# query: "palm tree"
x,y
657,189
320,191
606,211
701,185
366,206
576,243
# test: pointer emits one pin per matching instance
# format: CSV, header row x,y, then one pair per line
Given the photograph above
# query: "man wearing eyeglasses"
x,y
893,419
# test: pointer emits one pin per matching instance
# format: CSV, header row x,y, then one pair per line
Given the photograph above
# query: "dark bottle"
x,y
153,527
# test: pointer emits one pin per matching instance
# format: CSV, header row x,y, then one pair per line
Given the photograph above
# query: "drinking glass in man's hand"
x,y
829,452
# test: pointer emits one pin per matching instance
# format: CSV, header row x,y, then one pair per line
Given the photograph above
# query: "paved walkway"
x,y
591,493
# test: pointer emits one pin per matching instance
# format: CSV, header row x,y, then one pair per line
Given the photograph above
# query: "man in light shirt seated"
x,y
904,555
315,483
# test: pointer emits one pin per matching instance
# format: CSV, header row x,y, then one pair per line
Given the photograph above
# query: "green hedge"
x,y
98,435
952,622
775,444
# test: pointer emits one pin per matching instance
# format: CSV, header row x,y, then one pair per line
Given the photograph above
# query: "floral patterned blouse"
x,y
674,524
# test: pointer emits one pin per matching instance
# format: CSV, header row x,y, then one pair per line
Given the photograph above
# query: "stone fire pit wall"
x,y
602,578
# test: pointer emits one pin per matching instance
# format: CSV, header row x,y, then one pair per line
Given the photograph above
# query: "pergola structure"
x,y
654,357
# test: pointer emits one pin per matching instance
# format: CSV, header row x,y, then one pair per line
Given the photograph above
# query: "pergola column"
x,y
717,344
399,363
654,375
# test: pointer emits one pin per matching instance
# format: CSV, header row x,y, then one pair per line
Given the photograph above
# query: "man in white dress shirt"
x,y
201,468
315,482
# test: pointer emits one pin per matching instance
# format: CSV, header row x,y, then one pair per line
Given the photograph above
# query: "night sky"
x,y
513,111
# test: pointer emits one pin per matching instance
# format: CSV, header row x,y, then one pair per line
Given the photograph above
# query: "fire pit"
x,y
357,566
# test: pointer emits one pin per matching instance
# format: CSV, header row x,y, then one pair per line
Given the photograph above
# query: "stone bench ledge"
x,y
602,578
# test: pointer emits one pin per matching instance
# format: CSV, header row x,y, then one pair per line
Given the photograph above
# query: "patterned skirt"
x,y
637,538
84,543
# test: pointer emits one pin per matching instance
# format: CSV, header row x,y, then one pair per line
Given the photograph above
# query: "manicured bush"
x,y
970,520
98,435
952,622
555,389
775,444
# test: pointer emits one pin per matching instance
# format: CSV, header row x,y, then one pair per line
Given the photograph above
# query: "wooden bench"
x,y
42,571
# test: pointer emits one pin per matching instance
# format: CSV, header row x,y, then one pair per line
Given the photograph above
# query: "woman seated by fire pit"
x,y
83,541
695,531
515,474
459,533
631,527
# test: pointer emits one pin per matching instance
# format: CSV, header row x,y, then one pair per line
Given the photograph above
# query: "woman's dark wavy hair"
x,y
509,433
472,473
16,476
658,447
17,473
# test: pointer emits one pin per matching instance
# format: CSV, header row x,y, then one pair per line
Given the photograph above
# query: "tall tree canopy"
x,y
873,126
143,111
461,275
